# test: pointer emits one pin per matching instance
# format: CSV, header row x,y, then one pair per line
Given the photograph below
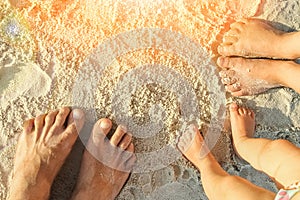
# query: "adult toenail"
x,y
124,128
77,114
104,124
236,85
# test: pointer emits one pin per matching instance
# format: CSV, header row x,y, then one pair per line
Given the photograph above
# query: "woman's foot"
x,y
253,76
256,38
42,148
106,164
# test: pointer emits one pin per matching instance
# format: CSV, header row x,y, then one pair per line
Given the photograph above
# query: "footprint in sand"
x,y
22,79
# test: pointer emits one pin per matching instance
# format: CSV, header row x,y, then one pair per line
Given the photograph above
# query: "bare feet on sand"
x,y
256,38
242,123
42,149
106,164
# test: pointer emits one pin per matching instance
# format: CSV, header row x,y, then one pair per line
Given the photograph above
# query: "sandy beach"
x,y
147,64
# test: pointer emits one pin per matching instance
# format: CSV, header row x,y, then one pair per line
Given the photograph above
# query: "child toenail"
x,y
104,124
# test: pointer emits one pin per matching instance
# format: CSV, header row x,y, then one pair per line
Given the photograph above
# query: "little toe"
x,y
118,135
61,117
101,129
125,142
240,93
233,88
28,126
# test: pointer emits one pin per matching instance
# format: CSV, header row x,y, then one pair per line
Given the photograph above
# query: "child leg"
x,y
217,183
279,158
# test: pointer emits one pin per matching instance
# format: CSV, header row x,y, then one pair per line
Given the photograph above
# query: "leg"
x,y
217,183
41,151
256,38
106,163
279,158
252,76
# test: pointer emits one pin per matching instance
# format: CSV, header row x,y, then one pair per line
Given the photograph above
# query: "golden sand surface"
x,y
58,37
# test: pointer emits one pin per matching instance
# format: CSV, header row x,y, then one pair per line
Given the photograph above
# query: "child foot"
x,y
42,149
242,123
256,38
251,76
106,164
192,146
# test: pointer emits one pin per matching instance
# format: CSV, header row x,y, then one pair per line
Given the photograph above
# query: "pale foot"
x,y
253,76
42,149
242,123
256,38
106,164
193,147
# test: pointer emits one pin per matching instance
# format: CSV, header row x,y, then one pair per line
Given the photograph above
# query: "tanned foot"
x,y
253,76
42,149
256,38
106,164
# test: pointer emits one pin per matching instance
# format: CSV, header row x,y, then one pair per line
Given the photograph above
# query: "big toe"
x,y
233,109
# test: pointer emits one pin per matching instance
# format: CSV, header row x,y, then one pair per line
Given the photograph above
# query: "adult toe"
x,y
28,126
126,141
61,117
101,129
118,135
233,88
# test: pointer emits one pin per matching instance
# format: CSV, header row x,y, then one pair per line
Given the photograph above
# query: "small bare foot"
x,y
252,76
256,38
242,123
42,149
106,164
192,146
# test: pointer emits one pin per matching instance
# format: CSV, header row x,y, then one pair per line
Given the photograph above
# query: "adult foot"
x,y
42,149
106,164
256,38
252,76
242,123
